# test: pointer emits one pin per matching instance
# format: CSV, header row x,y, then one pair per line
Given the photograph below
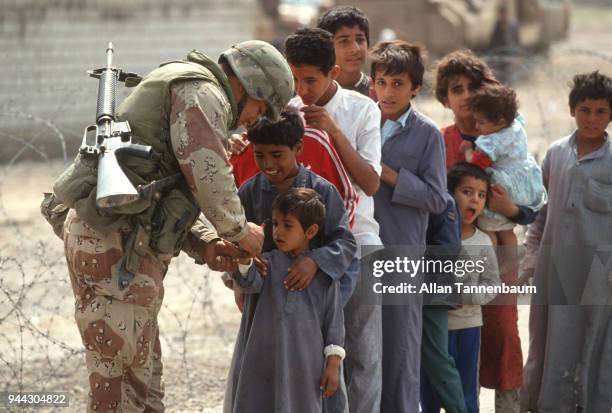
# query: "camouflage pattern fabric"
x,y
118,327
199,134
264,73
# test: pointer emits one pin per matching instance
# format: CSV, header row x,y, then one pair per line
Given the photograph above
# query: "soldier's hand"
x,y
300,274
222,255
253,241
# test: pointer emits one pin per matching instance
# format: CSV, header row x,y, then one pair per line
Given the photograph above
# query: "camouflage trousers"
x,y
118,326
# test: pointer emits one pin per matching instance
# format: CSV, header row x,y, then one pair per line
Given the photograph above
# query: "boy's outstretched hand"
x,y
300,274
330,377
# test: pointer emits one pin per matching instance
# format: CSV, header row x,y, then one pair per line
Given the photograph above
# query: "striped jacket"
x,y
319,155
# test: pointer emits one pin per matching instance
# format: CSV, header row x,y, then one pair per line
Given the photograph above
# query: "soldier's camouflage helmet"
x,y
263,72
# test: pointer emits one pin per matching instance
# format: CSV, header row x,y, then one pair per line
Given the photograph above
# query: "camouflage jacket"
x,y
184,110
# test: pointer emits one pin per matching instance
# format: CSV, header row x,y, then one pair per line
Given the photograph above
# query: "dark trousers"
x,y
463,346
439,375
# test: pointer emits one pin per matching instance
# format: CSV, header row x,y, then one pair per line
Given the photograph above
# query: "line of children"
x,y
458,76
352,122
401,148
276,147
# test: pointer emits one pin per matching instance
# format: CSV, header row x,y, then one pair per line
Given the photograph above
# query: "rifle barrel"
x,y
106,89
109,55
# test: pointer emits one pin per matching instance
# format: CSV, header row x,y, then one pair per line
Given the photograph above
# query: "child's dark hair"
x,y
463,169
592,85
344,16
495,102
303,203
312,47
461,62
398,57
288,130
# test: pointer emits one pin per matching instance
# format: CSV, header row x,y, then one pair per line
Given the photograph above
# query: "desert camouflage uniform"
x,y
119,327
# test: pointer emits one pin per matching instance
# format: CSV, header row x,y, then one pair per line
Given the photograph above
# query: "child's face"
x,y
351,48
592,117
486,126
460,89
288,234
277,162
310,83
470,195
394,93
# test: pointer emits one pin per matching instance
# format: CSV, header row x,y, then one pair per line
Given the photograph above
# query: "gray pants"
x,y
363,343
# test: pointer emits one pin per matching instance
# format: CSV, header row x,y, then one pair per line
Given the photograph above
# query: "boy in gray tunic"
x,y
569,367
413,185
289,351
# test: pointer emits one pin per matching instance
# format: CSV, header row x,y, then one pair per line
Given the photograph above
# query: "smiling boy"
x,y
276,146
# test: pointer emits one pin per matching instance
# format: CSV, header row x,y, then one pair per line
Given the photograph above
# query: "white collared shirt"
x,y
359,119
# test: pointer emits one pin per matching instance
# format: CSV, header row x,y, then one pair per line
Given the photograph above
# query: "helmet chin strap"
x,y
241,104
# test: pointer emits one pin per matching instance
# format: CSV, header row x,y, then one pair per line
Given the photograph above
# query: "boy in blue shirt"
x,y
413,185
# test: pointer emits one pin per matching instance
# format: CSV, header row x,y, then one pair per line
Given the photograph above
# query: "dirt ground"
x,y
39,344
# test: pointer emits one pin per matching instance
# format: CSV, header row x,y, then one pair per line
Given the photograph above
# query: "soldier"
x,y
184,110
